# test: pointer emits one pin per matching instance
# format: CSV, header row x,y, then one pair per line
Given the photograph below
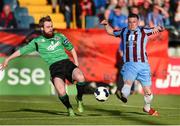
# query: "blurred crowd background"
x,y
85,14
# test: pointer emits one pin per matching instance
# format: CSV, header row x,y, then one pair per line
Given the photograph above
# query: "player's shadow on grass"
x,y
53,112
119,113
113,112
48,112
136,113
133,116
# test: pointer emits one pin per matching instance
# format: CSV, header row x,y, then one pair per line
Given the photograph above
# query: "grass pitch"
x,y
47,110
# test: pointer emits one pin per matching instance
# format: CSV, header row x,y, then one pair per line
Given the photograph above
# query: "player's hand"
x,y
4,64
155,30
158,29
104,22
161,28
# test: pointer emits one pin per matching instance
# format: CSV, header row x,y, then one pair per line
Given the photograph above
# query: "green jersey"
x,y
50,49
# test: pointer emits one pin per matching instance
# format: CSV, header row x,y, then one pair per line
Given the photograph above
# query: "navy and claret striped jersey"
x,y
133,43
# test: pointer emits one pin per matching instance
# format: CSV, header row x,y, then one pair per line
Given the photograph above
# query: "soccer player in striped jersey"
x,y
51,47
136,66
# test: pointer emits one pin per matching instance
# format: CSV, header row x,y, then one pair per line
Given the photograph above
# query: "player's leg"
x,y
58,75
148,97
125,91
129,75
79,77
145,78
61,90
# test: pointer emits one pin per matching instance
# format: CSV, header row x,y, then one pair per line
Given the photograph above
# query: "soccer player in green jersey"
x,y
51,47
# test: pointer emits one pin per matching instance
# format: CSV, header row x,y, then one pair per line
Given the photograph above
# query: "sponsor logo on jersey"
x,y
53,46
42,40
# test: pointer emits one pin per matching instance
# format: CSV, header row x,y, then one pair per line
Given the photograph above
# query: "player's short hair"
x,y
43,19
133,16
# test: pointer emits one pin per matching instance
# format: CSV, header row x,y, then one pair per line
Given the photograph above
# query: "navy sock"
x,y
65,100
80,90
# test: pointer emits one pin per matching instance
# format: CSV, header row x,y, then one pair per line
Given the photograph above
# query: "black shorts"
x,y
62,69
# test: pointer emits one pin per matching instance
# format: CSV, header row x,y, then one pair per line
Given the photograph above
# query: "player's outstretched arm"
x,y
6,61
74,54
158,29
108,28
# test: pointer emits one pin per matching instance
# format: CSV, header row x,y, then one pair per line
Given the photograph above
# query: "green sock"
x,y
65,100
80,90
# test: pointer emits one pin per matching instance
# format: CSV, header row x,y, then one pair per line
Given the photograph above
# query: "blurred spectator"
x,y
66,9
117,19
87,7
112,4
78,13
166,7
173,6
145,9
159,2
155,17
135,10
135,2
7,19
1,5
48,2
100,6
124,8
177,16
54,4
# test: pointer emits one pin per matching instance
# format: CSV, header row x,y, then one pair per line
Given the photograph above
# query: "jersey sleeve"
x,y
148,30
117,33
121,46
28,48
66,43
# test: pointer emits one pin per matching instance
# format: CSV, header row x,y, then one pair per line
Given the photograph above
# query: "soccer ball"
x,y
101,94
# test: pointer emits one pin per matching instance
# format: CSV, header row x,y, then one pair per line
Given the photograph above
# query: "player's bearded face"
x,y
132,23
48,28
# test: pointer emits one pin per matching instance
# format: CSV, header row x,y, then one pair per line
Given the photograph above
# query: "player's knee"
x,y
147,90
128,82
80,78
62,93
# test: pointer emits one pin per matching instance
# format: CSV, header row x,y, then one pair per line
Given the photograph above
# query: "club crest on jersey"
x,y
56,38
